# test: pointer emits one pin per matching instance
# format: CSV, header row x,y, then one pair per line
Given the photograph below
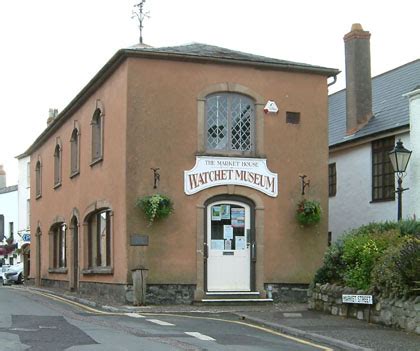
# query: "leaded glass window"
x,y
383,177
230,123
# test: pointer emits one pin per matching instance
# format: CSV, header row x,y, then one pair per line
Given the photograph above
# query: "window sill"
x,y
94,162
56,186
381,200
98,270
74,174
220,153
61,270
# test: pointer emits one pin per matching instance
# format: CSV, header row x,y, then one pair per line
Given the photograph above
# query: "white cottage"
x,y
365,122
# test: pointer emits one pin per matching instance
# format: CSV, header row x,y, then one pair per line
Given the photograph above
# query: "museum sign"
x,y
214,171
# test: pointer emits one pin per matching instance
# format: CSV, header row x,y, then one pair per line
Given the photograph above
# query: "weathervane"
x,y
138,12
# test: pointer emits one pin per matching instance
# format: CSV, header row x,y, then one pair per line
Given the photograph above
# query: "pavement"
x,y
289,318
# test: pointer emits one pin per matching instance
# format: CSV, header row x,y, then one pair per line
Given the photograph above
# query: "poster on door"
x,y
238,217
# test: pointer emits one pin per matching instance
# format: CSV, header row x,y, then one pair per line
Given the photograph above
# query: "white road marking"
x,y
200,336
134,315
292,314
157,321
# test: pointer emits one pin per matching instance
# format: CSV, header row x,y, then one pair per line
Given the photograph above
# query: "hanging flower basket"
x,y
308,212
155,206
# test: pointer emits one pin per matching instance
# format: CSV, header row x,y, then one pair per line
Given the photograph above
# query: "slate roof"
x,y
203,51
8,189
390,107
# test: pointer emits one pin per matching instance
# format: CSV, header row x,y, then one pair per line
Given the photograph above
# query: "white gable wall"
x,y
413,170
8,208
24,195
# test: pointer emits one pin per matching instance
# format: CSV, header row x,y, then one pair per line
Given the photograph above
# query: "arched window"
x,y
57,165
58,245
97,136
74,153
38,179
230,123
99,239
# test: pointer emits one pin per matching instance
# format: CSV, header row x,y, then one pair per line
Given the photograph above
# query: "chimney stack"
x,y
52,114
2,177
358,78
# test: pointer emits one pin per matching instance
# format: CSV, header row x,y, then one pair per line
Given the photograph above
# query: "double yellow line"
x,y
97,311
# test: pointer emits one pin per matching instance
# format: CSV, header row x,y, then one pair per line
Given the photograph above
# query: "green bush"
x,y
398,268
383,256
333,267
361,250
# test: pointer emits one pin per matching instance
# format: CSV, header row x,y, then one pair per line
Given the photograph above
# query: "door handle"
x,y
206,251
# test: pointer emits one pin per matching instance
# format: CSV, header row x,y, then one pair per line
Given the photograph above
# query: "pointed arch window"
x,y
74,153
57,165
97,136
38,179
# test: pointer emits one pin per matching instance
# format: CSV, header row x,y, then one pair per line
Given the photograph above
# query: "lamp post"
x,y
399,158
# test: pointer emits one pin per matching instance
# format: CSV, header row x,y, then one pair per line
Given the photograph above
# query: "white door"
x,y
228,231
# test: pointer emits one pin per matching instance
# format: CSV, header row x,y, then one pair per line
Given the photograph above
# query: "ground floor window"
x,y
58,233
99,239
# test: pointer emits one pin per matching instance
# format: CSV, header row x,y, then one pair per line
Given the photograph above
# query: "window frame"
x,y
228,149
58,158
75,153
95,249
332,179
38,179
97,137
58,248
382,171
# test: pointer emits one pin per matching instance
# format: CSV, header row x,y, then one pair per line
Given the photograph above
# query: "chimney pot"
x,y
358,78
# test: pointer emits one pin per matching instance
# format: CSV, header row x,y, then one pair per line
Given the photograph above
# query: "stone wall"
x,y
288,292
402,313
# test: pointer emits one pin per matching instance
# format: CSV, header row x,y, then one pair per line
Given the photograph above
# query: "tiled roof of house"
x,y
390,107
203,51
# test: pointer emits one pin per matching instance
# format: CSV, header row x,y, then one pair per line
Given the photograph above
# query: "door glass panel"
x,y
228,227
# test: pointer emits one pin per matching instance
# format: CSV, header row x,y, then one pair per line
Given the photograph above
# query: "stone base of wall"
x,y
297,293
399,313
166,294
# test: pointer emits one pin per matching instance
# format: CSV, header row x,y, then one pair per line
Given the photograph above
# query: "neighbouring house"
x,y
23,236
8,221
365,121
227,136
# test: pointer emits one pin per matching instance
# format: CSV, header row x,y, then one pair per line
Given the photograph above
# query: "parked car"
x,y
3,270
13,274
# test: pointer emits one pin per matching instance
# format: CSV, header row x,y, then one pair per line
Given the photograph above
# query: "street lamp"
x,y
399,159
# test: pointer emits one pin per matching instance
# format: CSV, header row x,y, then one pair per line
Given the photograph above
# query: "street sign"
x,y
360,299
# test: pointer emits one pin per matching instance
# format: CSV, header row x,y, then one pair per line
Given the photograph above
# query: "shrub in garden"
x,y
360,253
398,268
384,256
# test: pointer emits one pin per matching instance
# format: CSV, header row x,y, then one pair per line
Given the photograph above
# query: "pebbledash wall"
x,y
153,103
402,313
